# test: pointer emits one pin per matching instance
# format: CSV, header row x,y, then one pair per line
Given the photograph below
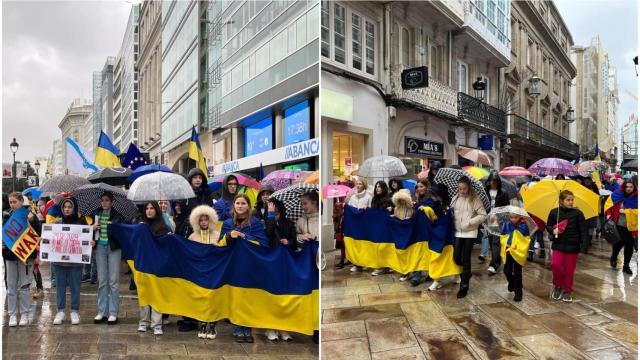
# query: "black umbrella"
x,y
290,197
449,178
507,186
88,198
62,183
111,176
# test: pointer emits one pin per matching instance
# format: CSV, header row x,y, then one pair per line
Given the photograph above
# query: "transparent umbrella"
x,y
382,166
160,185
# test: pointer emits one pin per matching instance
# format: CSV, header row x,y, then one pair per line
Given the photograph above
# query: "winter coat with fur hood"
x,y
194,221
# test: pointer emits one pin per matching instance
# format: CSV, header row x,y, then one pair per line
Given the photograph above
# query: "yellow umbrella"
x,y
540,199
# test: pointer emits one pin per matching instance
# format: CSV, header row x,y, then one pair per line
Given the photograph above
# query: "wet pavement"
x,y
368,317
43,340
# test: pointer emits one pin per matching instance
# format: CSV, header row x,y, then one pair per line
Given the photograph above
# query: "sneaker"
x,y
377,272
613,263
415,282
566,297
462,292
435,285
248,339
157,330
404,277
211,331
518,295
627,270
112,320
340,265
240,338
24,320
355,268
271,335
13,321
557,293
202,332
285,336
75,318
142,327
98,319
492,270
482,259
59,318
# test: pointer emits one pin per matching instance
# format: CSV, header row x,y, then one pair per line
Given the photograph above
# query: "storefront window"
x,y
414,166
348,154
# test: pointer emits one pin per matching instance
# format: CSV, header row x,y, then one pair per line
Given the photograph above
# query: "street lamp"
x,y
570,116
635,63
14,148
36,165
479,86
534,86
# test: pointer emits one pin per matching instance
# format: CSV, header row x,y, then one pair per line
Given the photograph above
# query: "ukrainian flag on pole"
x,y
195,152
106,152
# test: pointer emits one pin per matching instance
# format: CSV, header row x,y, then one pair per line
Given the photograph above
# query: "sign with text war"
x,y
66,243
18,235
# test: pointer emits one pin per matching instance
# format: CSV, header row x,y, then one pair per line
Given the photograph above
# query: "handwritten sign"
x,y
66,243
18,235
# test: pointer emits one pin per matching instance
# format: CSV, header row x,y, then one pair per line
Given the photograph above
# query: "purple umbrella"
x,y
277,184
280,179
553,167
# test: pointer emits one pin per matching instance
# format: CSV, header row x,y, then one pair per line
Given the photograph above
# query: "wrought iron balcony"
x,y
480,114
437,96
630,149
525,129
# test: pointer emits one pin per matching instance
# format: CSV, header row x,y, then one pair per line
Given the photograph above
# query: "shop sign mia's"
x,y
423,147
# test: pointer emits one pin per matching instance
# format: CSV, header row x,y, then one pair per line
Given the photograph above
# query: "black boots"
x,y
463,291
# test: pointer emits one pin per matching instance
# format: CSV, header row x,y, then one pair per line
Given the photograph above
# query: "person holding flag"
x,y
18,272
622,208
195,152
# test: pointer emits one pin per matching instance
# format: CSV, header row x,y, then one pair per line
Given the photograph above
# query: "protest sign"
x,y
18,235
66,243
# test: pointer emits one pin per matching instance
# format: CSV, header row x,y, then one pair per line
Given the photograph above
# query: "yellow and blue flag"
x,y
630,205
251,285
195,152
106,152
18,235
515,239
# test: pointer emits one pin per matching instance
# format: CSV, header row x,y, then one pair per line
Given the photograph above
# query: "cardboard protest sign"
x,y
66,243
18,235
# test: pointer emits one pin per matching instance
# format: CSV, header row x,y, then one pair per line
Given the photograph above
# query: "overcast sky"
x,y
616,22
49,52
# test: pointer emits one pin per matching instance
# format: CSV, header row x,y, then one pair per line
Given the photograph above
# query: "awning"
x,y
631,165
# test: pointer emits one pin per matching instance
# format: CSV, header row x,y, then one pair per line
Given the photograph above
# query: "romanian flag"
x,y
195,152
251,285
374,239
106,152
630,205
19,236
515,240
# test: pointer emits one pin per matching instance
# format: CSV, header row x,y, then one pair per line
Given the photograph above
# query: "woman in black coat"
x,y
279,229
498,198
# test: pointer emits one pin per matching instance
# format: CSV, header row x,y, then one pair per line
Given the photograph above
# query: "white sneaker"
x,y
59,318
404,277
112,319
75,318
435,285
271,335
13,321
354,268
491,269
377,272
24,320
98,318
285,336
142,327
157,330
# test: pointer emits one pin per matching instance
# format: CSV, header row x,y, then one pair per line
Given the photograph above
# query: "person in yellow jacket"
x,y
514,243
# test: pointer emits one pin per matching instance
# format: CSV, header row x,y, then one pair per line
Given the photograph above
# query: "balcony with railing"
x,y
525,129
630,149
437,97
479,114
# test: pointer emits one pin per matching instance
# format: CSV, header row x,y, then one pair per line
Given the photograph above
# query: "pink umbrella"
x,y
515,171
477,156
335,191
285,174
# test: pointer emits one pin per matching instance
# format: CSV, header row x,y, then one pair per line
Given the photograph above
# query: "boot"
x,y
463,291
518,295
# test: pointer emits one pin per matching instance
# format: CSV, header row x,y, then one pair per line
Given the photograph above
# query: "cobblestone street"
x,y
43,340
366,317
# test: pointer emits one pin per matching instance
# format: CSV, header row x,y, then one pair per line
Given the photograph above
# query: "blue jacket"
x,y
254,232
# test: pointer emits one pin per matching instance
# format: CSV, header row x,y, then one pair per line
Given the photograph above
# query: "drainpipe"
x,y
387,35
450,44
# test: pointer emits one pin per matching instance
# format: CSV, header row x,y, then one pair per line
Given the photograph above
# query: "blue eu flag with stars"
x,y
133,159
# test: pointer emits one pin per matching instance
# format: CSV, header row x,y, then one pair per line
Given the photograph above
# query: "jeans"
x,y
627,241
71,276
416,275
18,283
241,330
91,270
537,236
462,250
513,272
563,266
150,317
484,243
108,280
494,243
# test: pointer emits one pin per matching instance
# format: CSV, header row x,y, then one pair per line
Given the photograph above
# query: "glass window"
x,y
326,39
370,44
278,47
434,63
301,31
262,59
405,48
313,25
292,38
356,41
462,77
339,34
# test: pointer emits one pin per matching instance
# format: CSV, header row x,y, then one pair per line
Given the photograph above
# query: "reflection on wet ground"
x,y
367,317
43,340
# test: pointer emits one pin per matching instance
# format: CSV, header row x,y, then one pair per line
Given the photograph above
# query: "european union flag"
x,y
134,158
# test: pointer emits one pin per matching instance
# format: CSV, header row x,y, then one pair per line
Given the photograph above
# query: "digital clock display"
x,y
296,123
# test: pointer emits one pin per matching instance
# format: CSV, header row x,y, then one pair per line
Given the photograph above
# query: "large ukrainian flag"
x,y
515,239
251,285
374,239
441,244
630,204
106,152
195,152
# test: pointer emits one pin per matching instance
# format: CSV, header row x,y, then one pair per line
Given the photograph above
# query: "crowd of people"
x,y
568,232
196,219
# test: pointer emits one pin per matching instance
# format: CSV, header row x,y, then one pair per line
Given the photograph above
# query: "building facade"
x,y
88,133
57,162
630,140
125,93
540,47
262,76
149,69
72,125
613,134
105,113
